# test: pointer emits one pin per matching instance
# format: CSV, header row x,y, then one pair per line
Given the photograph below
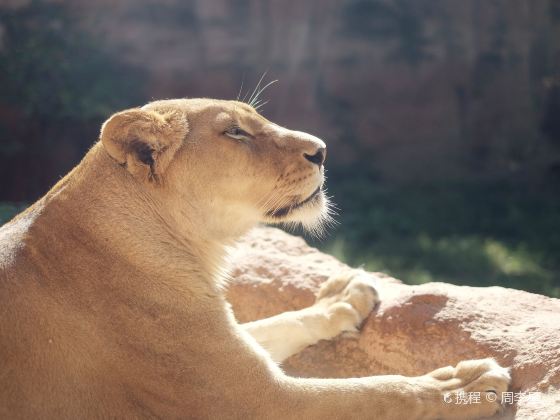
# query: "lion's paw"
x,y
347,298
472,389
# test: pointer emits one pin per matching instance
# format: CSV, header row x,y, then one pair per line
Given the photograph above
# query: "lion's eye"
x,y
237,133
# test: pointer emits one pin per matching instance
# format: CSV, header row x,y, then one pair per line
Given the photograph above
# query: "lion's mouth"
x,y
284,211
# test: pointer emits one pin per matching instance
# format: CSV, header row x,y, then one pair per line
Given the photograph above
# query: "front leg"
x,y
434,396
343,302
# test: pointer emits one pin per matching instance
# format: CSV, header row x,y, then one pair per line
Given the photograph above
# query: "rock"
x,y
415,329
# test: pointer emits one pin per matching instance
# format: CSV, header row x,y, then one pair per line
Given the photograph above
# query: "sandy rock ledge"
x,y
414,330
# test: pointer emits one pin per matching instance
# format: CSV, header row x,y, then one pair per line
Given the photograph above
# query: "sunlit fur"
x,y
110,296
254,177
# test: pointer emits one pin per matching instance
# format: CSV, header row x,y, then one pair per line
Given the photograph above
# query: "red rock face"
x,y
414,330
418,91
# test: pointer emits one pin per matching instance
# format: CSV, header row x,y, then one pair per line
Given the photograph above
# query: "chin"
x,y
315,215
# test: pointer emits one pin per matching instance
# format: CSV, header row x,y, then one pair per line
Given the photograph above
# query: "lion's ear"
x,y
144,141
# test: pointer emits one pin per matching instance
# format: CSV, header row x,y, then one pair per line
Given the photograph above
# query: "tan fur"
x,y
111,302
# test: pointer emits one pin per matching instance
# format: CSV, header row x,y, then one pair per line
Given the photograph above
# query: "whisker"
x,y
240,89
259,106
256,88
281,196
262,90
277,198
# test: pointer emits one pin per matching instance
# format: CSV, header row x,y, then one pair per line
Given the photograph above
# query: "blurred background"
x,y
442,117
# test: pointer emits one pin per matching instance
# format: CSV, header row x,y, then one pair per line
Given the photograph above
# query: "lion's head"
x,y
221,161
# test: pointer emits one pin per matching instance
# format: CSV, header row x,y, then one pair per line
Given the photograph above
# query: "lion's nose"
x,y
318,157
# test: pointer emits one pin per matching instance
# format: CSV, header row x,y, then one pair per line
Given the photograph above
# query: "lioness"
x,y
111,285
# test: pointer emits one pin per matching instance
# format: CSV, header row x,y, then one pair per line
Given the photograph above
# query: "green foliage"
x,y
51,74
51,70
462,234
470,235
9,210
